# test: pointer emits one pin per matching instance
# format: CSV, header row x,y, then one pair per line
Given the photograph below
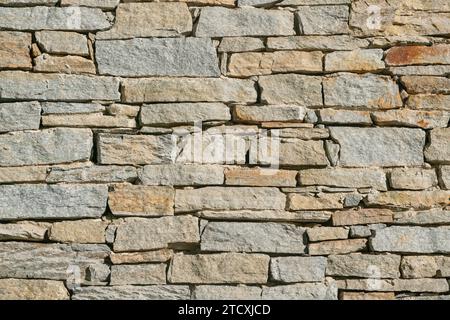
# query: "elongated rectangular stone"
x,y
138,234
412,240
368,91
19,116
128,292
213,292
23,174
298,269
188,90
429,102
282,112
385,147
45,147
397,285
103,4
138,274
21,289
362,216
192,57
223,22
48,261
324,43
58,42
71,108
141,20
78,231
356,60
229,198
180,113
426,217
64,64
351,178
134,149
161,255
425,266
38,201
291,88
426,84
93,174
253,237
410,55
336,247
413,178
301,291
409,199
219,268
57,87
20,3
267,215
298,201
364,266
54,18
327,233
260,177
23,231
93,120
182,174
15,50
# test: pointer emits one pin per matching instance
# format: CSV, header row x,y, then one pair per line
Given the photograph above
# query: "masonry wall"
x,y
212,149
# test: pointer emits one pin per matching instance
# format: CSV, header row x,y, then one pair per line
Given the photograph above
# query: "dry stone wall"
x,y
213,149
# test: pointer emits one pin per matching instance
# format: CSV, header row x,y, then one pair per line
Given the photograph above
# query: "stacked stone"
x,y
102,198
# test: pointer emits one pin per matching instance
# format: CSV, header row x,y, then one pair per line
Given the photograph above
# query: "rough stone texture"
x,y
138,234
425,266
268,215
399,56
19,116
162,255
282,112
157,57
320,20
240,44
412,118
219,268
20,289
92,174
438,151
429,101
430,217
348,295
253,237
56,42
413,179
219,22
336,247
363,216
14,50
187,175
323,201
65,64
409,199
298,269
402,285
325,43
79,231
326,233
426,84
103,4
379,146
260,177
303,291
39,201
412,240
444,172
356,60
129,292
23,174
141,20
241,292
331,116
364,266
24,231
129,200
138,274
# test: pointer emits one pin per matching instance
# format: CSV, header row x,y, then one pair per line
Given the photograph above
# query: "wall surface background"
x,y
212,149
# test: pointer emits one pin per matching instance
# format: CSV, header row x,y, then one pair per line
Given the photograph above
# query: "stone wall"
x,y
211,149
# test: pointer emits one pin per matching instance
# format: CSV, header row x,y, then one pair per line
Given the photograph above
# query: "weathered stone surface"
x,y
431,217
431,70
429,101
267,215
130,200
27,2
79,231
38,201
311,2
57,87
426,84
222,22
326,233
70,108
408,285
412,239
156,292
291,88
253,237
349,295
241,292
103,4
141,20
304,133
53,18
138,234
336,247
412,118
444,176
260,177
24,231
322,201
15,50
45,146
162,255
409,199
192,57
134,149
93,174
325,43
303,291
219,268
48,261
20,289
356,60
379,146
425,266
229,198
296,152
368,91
282,112
23,174
436,54
58,42
413,178
19,116
351,178
179,175
298,269
138,274
188,90
183,113
320,20
256,63
240,44
363,216
96,120
364,266
64,64
438,151
331,116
